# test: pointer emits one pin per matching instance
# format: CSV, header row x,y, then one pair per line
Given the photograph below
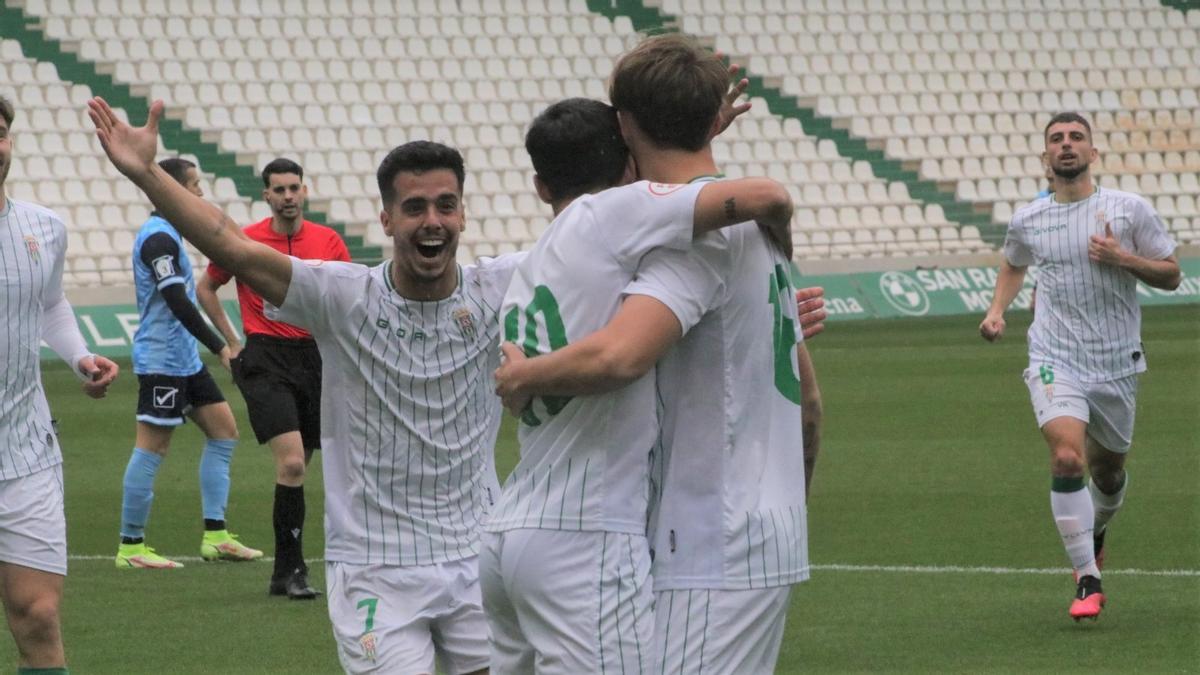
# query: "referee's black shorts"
x,y
281,382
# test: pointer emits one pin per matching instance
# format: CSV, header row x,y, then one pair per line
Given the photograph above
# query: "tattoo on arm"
x,y
731,209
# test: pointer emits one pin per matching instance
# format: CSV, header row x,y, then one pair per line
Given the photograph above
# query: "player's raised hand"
x,y
1105,249
507,387
730,108
810,310
992,328
130,149
100,373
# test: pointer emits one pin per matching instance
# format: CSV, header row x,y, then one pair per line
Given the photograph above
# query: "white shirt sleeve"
x,y
1016,252
689,283
1150,237
311,295
495,274
634,219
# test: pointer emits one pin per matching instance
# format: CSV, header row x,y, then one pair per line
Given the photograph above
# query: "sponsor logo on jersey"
x,y
164,267
34,247
1047,229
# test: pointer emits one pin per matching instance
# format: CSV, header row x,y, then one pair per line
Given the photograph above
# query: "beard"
x,y
1070,174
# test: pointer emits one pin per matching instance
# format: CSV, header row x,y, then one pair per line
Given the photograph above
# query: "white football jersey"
x,y
1088,321
585,460
729,472
409,414
33,244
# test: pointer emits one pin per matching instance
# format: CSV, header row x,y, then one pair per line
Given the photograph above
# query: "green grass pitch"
x,y
930,525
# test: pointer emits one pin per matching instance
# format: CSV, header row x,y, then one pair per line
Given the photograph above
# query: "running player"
x,y
33,531
569,530
174,383
1091,246
729,530
279,371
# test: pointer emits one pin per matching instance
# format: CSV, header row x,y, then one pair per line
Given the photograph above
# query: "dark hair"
x,y
673,87
576,147
1063,117
7,111
417,157
177,168
281,165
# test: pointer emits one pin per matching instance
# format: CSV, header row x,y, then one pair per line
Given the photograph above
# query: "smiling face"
x,y
1069,150
424,221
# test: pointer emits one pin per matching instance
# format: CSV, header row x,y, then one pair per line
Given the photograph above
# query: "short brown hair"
x,y
673,87
6,111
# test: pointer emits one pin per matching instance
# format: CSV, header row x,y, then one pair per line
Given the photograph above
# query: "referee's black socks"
x,y
289,529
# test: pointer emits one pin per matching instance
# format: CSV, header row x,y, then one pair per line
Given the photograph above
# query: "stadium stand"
x,y
902,128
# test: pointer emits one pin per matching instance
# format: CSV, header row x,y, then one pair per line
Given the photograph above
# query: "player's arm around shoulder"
x,y
613,357
729,202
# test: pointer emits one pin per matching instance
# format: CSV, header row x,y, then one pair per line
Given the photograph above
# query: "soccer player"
x,y
174,383
279,371
1091,246
33,531
728,529
408,348
569,531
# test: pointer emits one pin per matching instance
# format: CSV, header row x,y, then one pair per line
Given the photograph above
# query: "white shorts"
x,y
33,529
568,602
717,631
392,619
1107,407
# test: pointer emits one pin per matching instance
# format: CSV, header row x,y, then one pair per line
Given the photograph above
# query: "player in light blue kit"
x,y
172,383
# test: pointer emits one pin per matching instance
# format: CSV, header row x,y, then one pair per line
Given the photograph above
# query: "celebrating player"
x,y
279,371
570,528
33,530
1091,246
729,393
172,383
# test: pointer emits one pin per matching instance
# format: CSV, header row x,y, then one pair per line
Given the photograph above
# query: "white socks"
x,y
1075,517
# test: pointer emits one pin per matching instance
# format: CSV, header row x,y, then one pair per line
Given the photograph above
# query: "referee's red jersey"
x,y
311,242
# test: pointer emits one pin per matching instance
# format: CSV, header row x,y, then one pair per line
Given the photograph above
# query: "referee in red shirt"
x,y
279,370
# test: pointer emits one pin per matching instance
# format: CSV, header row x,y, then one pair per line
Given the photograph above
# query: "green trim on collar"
x,y
707,177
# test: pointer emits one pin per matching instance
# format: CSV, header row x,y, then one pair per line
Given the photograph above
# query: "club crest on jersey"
x,y
368,644
34,247
466,323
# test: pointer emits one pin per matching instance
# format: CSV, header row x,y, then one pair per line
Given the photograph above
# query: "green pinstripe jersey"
x,y
409,416
728,510
33,243
1088,321
585,460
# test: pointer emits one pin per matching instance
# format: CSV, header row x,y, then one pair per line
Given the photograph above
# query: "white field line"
x,y
959,569
894,569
